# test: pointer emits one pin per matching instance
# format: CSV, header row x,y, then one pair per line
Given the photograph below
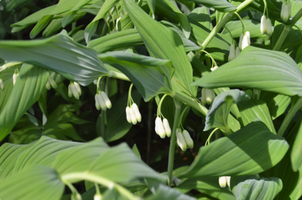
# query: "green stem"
x,y
288,118
191,102
223,22
103,112
173,139
286,29
75,177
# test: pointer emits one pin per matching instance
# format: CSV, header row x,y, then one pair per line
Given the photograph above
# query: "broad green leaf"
x,y
260,69
235,28
31,19
276,103
42,23
42,152
25,135
296,150
218,115
35,183
58,53
206,185
79,158
148,80
29,86
253,188
252,149
202,16
293,38
255,110
91,27
161,191
15,3
117,40
62,131
53,27
219,5
162,43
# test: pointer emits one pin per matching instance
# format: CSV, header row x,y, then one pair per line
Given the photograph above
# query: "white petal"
x,y
78,88
74,91
97,103
106,99
136,112
180,140
69,90
263,24
1,84
167,127
269,28
97,197
128,116
232,54
132,116
222,181
188,139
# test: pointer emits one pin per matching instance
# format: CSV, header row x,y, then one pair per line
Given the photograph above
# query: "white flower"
x,y
269,27
207,96
263,24
214,68
232,54
285,11
136,112
99,102
188,139
74,90
128,115
181,140
1,84
15,76
106,100
245,40
97,197
51,82
167,127
159,127
224,180
132,116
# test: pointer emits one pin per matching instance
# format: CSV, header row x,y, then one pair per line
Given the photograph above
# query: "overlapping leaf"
x,y
219,5
58,53
260,69
250,150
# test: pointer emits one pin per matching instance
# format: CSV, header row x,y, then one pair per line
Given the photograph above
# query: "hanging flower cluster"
x,y
184,139
53,78
234,53
132,112
286,10
224,181
162,127
266,26
74,89
102,101
245,40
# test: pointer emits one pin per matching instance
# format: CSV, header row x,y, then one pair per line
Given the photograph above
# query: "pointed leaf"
x,y
256,149
252,188
29,86
58,53
35,183
42,23
260,69
219,5
276,103
295,156
162,43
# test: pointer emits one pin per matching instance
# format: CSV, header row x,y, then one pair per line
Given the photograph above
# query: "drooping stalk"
x,y
173,139
103,112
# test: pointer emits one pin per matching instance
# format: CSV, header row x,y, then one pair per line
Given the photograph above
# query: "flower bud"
x,y
136,112
207,96
269,27
128,115
232,54
188,139
263,24
106,100
97,197
73,91
237,51
132,116
78,88
285,11
167,127
159,127
246,41
15,76
224,180
181,140
1,84
99,102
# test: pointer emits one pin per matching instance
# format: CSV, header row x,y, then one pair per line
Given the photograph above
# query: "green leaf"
x,y
149,80
36,183
253,188
117,40
260,69
218,115
206,185
276,103
219,5
29,86
91,27
255,110
251,150
162,43
295,155
58,53
42,23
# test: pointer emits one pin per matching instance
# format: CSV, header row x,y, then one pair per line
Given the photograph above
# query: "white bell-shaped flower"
x,y
188,139
167,127
285,11
136,112
207,96
232,54
263,24
181,140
